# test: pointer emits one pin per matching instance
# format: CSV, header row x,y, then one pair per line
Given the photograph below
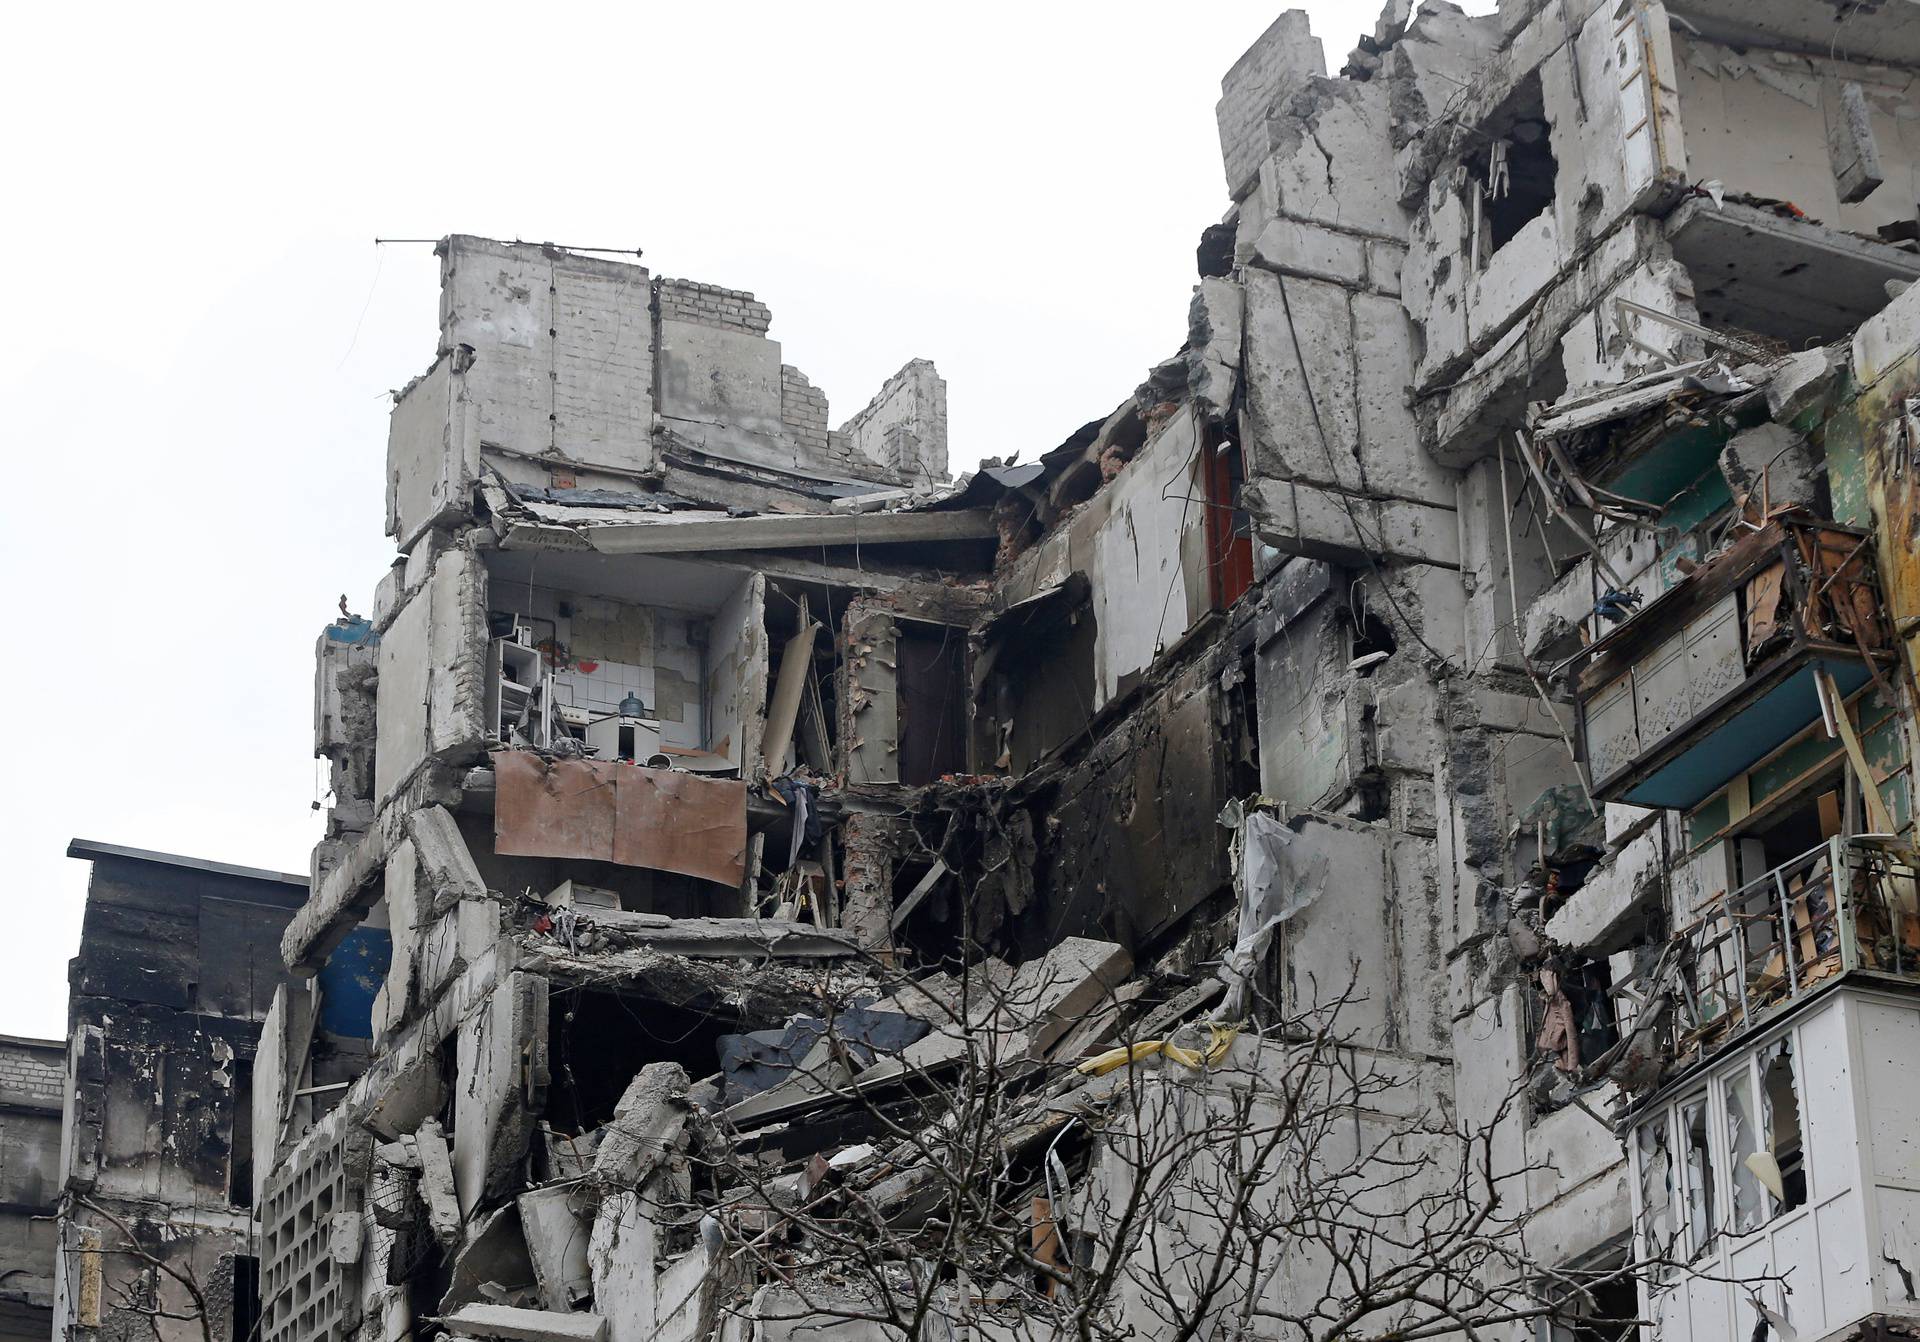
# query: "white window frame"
x,y
1692,1240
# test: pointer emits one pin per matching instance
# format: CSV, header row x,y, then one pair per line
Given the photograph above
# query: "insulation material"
x,y
613,811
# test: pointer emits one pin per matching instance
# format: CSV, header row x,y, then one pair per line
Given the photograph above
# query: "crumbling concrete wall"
x,y
903,429
432,663
179,961
562,360
1726,92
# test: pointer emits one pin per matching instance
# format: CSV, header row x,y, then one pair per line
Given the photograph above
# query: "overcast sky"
x,y
202,333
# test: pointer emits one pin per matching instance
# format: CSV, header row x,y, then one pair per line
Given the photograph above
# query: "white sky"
x,y
202,333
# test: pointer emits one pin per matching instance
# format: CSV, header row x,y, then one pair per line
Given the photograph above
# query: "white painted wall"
x,y
1757,121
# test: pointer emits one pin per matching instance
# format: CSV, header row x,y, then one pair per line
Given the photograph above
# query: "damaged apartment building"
x,y
1449,729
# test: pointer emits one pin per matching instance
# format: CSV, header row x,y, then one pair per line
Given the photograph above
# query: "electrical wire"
x,y
1326,447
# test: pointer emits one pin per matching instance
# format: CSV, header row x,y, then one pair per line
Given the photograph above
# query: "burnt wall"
x,y
1134,841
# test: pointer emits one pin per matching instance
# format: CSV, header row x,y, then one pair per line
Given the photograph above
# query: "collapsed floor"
x,y
1379,835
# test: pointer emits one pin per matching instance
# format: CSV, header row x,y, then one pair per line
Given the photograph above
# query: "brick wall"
x,y
30,1071
710,305
803,409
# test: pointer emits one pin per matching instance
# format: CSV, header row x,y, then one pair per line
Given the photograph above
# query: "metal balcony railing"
x,y
1846,905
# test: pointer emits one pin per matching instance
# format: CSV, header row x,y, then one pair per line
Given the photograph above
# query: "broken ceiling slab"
x,y
614,811
773,992
1070,980
622,532
1792,279
723,938
525,1325
1884,33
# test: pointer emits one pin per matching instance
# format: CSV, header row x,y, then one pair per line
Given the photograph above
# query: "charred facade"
x,y
178,963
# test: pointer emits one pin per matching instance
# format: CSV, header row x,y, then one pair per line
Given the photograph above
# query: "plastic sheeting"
x,y
1276,877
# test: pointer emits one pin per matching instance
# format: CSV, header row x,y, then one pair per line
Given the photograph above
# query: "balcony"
x,y
1720,671
1845,906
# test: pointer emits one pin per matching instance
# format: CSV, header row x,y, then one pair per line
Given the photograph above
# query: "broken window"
x,y
1743,1140
1373,642
1655,1164
1784,1171
1769,1163
1702,1208
1508,173
1594,1300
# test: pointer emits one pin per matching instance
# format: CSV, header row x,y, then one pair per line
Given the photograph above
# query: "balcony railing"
x,y
1844,906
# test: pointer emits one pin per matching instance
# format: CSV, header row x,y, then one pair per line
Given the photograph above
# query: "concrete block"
x,y
444,1213
526,1325
647,1122
1521,713
720,389
1296,248
1331,159
557,1236
1384,263
1886,338
501,1053
1308,520
1406,719
621,1254
1309,747
685,1303
433,453
1551,629
1587,1219
1071,979
1282,60
1299,367
1567,1147
1617,900
1336,945
432,703
1512,279
562,362
1215,327
1391,456
406,919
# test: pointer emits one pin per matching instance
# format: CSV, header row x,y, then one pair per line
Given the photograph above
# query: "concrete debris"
x,y
436,1182
1470,661
556,1231
526,1325
646,1124
1771,465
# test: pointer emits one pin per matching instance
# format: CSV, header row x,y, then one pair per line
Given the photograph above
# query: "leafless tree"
x,y
1273,1177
